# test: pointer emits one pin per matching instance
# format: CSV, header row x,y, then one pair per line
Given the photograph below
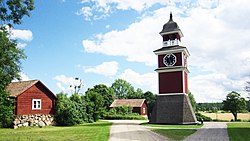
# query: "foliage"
x,y
247,88
238,131
122,89
69,111
12,11
123,117
138,94
175,134
210,107
98,131
192,100
94,107
201,117
123,112
10,56
6,109
150,98
106,93
234,103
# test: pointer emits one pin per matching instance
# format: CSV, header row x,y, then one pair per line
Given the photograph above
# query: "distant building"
x,y
139,105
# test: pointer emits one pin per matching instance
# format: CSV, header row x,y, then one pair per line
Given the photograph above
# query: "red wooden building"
x,y
139,105
31,97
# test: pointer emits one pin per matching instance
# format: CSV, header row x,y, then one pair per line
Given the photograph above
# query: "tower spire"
x,y
171,16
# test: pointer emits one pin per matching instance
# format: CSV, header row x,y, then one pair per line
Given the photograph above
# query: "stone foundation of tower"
x,y
173,109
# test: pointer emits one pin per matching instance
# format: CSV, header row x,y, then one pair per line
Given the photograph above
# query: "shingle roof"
x,y
127,102
17,88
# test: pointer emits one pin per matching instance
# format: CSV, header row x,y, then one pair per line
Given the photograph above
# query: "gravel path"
x,y
211,131
130,130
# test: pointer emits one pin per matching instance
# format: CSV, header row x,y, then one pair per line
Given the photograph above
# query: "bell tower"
x,y
172,103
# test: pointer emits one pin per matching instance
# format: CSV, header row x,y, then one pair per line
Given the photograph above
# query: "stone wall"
x,y
33,120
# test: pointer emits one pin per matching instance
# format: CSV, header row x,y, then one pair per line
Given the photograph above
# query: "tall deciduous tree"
x,y
94,103
135,94
122,89
234,103
11,12
247,88
106,93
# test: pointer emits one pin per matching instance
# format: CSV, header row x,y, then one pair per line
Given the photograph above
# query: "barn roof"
x,y
17,88
128,102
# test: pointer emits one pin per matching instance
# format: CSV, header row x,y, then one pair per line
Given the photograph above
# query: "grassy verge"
x,y
98,131
238,131
175,134
171,126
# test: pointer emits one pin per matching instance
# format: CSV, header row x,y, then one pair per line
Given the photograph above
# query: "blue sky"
x,y
102,40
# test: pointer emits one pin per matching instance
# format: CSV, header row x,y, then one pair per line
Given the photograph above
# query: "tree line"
x,y
94,104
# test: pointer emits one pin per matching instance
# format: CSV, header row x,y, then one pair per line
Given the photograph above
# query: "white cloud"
x,y
106,68
25,35
103,8
148,81
135,43
86,12
21,45
66,84
23,77
215,34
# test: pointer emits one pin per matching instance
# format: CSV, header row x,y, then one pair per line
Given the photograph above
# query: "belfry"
x,y
172,103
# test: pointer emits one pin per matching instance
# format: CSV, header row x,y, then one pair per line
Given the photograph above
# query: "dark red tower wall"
x,y
170,82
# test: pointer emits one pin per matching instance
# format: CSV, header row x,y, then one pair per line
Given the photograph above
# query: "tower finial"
x,y
171,16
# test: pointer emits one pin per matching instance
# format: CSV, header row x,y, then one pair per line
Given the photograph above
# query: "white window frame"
x,y
38,107
143,110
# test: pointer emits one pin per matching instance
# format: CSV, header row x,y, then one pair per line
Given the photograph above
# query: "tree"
x,y
12,11
6,109
106,93
234,103
135,95
65,113
247,88
150,98
122,89
94,105
192,100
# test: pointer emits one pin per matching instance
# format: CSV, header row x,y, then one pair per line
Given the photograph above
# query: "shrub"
x,y
199,117
69,111
6,110
122,112
122,117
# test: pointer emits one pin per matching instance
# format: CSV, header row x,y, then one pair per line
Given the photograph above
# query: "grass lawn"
x,y
175,134
238,131
172,126
98,131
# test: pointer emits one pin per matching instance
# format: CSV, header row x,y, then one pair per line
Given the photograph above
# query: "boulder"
x,y
26,124
41,123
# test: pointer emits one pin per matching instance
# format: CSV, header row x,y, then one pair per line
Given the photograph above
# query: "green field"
x,y
239,131
98,131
